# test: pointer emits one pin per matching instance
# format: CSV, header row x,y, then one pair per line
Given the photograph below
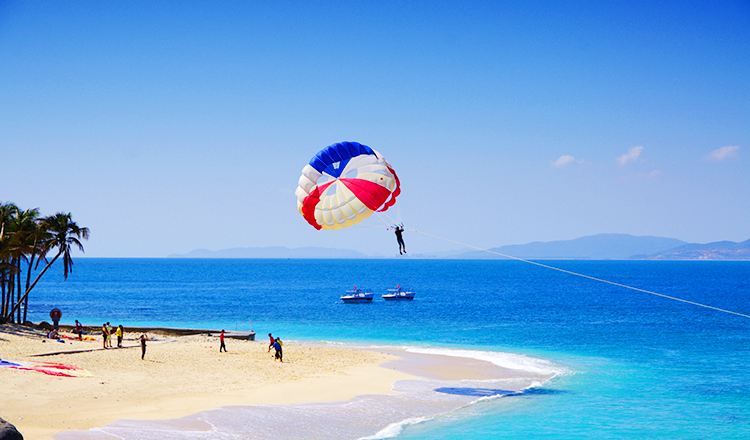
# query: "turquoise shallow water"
x,y
635,365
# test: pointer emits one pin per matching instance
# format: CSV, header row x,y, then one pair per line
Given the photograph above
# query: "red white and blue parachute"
x,y
344,184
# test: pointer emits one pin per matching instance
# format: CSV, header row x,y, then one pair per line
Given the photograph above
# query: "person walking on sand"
x,y
79,330
271,340
105,335
279,355
119,333
144,338
221,338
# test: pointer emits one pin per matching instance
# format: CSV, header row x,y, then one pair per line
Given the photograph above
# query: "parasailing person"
x,y
399,229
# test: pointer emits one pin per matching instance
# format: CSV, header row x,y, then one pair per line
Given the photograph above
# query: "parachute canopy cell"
x,y
344,184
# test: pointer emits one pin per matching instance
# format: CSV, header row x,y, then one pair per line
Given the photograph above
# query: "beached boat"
x,y
358,296
399,293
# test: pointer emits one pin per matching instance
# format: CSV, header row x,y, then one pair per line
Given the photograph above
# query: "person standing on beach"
x,y
271,340
109,335
119,333
105,335
144,338
277,346
79,330
221,338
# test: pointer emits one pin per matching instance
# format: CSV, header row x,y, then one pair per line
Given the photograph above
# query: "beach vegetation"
x,y
27,240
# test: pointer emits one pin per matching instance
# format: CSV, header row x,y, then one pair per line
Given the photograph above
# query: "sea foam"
x,y
394,429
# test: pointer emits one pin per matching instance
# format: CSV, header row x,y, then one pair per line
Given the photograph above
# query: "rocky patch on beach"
x,y
8,431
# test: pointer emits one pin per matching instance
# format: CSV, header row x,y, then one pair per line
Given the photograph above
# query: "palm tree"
x,y
6,269
18,235
62,233
24,226
36,237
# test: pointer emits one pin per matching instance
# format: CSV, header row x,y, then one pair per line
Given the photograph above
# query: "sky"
x,y
165,127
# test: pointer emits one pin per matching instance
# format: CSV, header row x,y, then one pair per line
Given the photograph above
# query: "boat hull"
x,y
353,299
399,297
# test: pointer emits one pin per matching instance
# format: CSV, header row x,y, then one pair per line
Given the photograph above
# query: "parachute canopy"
x,y
344,184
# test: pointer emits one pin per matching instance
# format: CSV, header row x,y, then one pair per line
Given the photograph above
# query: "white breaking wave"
x,y
394,429
506,360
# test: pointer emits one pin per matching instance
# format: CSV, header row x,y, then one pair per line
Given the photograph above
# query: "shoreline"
x,y
185,375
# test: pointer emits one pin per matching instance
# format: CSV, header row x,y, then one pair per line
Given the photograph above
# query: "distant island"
x,y
621,247
720,250
592,247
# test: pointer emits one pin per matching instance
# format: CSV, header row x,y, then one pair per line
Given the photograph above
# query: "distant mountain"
x,y
720,250
592,247
273,252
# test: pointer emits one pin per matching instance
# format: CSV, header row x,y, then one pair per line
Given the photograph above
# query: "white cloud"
x,y
722,153
566,160
563,160
631,156
653,175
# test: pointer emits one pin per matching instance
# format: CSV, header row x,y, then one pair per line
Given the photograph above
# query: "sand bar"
x,y
435,366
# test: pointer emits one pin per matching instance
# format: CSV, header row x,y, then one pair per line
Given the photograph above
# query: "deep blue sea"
x,y
633,365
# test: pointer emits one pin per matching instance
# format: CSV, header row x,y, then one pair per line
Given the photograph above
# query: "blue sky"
x,y
181,125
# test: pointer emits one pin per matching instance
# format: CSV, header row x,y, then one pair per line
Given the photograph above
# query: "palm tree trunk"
x,y
3,307
5,281
28,279
11,291
38,277
18,280
6,293
25,307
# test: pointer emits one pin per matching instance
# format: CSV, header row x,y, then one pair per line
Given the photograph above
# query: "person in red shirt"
x,y
271,340
221,338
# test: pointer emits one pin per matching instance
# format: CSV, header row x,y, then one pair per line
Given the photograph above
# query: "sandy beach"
x,y
184,375
179,376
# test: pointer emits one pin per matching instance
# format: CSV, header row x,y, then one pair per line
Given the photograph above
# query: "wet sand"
x,y
434,366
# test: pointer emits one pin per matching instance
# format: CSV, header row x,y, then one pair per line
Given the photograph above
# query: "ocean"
x,y
626,364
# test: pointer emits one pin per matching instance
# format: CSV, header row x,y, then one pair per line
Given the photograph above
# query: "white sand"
x,y
180,376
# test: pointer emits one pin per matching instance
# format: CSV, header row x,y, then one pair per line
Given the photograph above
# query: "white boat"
x,y
399,293
358,296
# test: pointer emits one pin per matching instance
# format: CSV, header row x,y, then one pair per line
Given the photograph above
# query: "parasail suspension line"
x,y
582,275
380,216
